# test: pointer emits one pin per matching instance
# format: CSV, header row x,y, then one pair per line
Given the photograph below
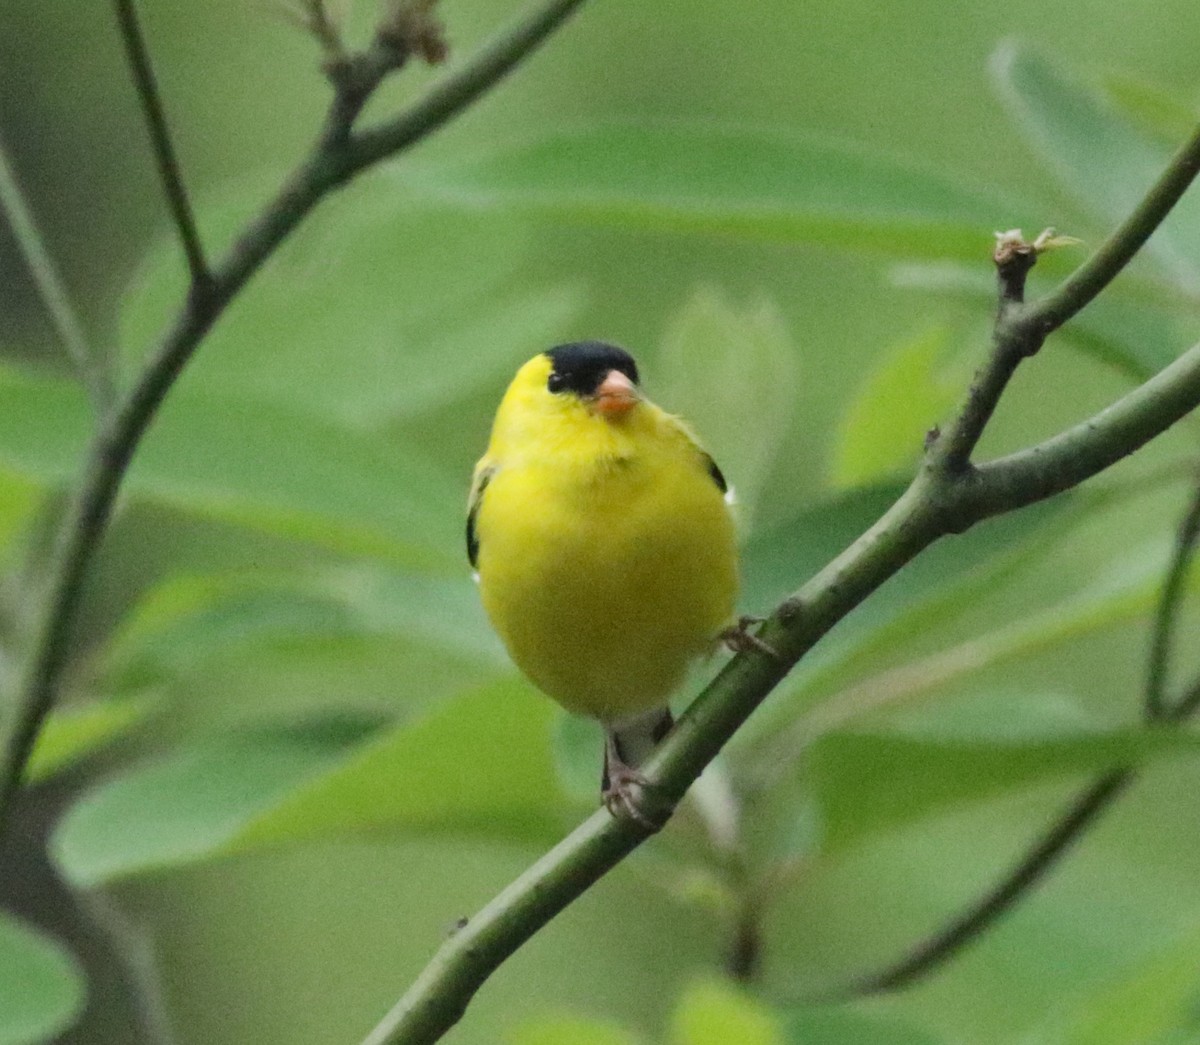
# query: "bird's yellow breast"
x,y
607,560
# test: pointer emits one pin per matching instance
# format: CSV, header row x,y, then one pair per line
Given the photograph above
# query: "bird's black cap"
x,y
580,366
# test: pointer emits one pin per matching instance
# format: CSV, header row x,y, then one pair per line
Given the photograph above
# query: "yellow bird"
x,y
604,546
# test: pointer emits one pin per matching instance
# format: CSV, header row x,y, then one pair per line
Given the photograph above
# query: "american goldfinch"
x,y
604,548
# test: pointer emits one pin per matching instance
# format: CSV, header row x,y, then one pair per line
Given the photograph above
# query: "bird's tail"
x,y
636,738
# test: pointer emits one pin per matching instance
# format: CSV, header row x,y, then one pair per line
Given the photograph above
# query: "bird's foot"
x,y
625,797
738,638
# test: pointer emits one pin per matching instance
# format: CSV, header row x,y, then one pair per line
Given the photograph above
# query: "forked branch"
x,y
169,170
326,168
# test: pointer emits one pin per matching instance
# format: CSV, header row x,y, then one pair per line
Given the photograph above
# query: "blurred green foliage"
x,y
40,984
291,746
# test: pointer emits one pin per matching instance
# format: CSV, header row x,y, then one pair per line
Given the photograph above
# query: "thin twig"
x,y
1067,459
1167,614
1033,868
1082,286
722,814
91,368
1187,705
1021,329
165,159
355,78
1013,258
859,696
315,18
489,66
113,448
408,28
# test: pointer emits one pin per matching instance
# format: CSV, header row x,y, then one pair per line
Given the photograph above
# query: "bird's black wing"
x,y
482,477
715,472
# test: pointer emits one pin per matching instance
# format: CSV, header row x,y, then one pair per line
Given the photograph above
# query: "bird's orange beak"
x,y
615,396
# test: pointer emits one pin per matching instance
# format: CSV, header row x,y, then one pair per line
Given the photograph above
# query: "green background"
x,y
332,762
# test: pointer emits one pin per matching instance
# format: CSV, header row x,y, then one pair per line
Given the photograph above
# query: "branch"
x,y
88,364
160,141
1082,286
1067,459
948,496
409,27
1163,637
1014,258
490,65
112,449
1029,872
1020,330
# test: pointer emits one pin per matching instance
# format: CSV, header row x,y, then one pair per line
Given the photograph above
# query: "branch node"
x,y
200,292
790,610
1014,257
411,27
1018,334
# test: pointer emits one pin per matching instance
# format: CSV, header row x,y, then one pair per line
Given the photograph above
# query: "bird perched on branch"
x,y
604,547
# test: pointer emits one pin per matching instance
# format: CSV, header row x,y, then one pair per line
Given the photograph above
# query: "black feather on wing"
x,y
715,472
481,482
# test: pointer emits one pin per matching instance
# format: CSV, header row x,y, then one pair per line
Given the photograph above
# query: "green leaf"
x,y
1135,337
186,621
570,1030
906,393
735,182
777,561
480,764
1099,158
40,984
1155,112
715,354
843,1025
1123,593
193,805
379,307
713,1012
265,466
250,463
44,423
18,500
1156,997
867,783
73,732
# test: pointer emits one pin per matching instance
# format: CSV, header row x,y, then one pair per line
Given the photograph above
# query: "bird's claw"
x,y
625,798
738,638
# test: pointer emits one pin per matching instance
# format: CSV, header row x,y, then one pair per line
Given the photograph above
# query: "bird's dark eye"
x,y
556,383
